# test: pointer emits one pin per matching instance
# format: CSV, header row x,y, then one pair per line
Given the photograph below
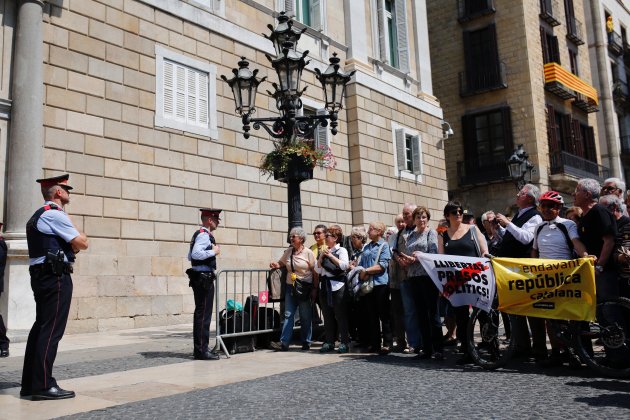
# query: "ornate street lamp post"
x,y
520,167
288,128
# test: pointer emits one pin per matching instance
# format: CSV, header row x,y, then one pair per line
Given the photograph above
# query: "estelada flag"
x,y
556,289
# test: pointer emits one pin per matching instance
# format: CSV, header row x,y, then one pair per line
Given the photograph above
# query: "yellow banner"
x,y
557,289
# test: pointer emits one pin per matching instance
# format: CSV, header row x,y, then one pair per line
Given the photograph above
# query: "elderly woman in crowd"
x,y
331,267
425,295
301,289
464,240
375,260
354,245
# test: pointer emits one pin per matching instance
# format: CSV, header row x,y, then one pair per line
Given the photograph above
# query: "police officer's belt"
x,y
203,279
46,269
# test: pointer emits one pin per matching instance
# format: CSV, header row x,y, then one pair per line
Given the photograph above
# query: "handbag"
x,y
367,286
331,267
300,290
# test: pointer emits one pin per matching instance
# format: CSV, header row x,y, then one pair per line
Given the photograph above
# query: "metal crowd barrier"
x,y
231,323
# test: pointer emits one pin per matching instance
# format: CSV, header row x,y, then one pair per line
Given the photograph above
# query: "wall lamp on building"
x,y
289,128
520,167
447,131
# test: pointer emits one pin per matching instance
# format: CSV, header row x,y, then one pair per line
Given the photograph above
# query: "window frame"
x,y
471,140
163,55
392,34
295,8
415,138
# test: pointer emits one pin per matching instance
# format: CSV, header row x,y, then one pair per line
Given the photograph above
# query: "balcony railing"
x,y
471,173
566,163
549,11
575,31
482,80
584,103
471,9
625,144
615,43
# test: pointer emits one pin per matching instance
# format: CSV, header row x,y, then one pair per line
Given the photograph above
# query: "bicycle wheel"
x,y
604,344
489,343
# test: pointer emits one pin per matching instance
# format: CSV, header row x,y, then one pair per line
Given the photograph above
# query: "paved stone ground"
x,y
396,387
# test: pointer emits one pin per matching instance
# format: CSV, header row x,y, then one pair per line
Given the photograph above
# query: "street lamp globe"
x,y
284,32
289,66
519,167
334,84
244,87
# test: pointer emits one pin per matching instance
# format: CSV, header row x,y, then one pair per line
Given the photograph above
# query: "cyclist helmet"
x,y
552,196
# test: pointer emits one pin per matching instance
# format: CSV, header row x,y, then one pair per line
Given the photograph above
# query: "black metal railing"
x,y
473,173
482,79
549,11
615,43
566,163
471,9
575,31
624,141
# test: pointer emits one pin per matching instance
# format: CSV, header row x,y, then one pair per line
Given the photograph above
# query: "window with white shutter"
x,y
407,153
309,12
185,93
392,33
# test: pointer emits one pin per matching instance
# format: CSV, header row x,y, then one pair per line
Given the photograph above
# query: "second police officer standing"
x,y
203,258
53,242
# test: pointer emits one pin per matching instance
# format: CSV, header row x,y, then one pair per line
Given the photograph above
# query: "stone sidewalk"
x,y
118,367
149,373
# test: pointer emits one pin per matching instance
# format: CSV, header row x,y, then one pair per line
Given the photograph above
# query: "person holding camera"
x,y
203,258
53,242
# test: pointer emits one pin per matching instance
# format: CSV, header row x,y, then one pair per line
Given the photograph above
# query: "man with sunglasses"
x,y
53,241
517,243
617,187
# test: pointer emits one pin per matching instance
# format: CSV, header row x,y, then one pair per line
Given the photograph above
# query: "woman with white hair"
x,y
301,289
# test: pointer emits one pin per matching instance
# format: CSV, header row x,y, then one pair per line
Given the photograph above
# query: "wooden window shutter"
x,y
180,93
321,133
382,28
317,18
578,142
545,47
401,35
416,155
508,141
169,86
567,138
289,7
401,159
203,100
191,97
589,141
555,50
552,137
469,62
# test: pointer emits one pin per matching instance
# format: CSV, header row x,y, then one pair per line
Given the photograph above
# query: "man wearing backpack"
x,y
558,239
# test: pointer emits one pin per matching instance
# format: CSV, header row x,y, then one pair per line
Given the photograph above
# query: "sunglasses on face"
x,y
456,212
317,233
609,188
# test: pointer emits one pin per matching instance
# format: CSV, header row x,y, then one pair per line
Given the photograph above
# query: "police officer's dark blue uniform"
x,y
203,257
4,340
52,243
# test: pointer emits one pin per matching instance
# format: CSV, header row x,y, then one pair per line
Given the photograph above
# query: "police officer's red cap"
x,y
61,180
211,212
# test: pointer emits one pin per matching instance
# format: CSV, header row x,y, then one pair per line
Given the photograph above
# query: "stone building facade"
x,y
506,73
133,108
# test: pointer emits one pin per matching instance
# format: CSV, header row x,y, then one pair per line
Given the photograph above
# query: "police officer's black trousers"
x,y
204,300
52,305
4,341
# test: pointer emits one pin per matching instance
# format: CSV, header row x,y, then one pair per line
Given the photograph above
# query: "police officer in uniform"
x,y
203,258
53,242
4,340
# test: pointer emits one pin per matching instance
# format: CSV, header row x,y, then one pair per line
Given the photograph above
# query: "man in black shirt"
x,y
598,229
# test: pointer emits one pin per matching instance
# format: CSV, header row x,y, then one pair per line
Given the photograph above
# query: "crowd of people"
x,y
396,307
